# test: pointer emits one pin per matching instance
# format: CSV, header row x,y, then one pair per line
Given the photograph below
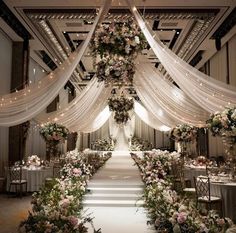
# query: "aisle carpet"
x,y
114,198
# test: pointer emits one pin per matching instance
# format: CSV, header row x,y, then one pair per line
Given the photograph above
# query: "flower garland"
x,y
54,132
58,206
121,105
169,211
183,133
125,39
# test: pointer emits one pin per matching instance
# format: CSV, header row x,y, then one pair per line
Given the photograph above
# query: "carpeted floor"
x,y
12,211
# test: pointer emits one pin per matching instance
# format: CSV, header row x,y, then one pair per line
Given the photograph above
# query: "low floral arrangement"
x,y
138,144
115,70
223,123
183,133
169,211
120,106
33,160
125,39
103,145
58,207
54,132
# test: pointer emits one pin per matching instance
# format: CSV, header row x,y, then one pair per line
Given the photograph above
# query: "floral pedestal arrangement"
x,y
52,149
224,124
53,134
183,134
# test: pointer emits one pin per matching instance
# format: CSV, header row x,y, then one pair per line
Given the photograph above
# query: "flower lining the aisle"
x,y
57,207
168,210
103,145
139,144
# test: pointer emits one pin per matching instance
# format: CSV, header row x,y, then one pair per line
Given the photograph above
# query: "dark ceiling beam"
x,y
224,28
13,22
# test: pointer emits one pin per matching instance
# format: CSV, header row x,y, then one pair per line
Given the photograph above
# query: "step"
x,y
125,190
112,196
115,185
113,203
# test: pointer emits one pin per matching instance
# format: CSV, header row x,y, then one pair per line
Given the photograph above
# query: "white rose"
x,y
136,38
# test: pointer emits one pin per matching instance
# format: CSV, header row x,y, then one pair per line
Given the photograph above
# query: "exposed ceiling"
x,y
59,26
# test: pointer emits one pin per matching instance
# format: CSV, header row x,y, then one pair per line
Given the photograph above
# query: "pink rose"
x,y
73,220
77,172
182,216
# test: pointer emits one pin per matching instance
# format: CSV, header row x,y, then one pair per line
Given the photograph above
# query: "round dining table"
x,y
227,191
35,177
192,171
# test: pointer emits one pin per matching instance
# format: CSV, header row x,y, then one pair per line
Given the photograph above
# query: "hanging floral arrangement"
x,y
117,44
183,133
125,39
115,70
120,106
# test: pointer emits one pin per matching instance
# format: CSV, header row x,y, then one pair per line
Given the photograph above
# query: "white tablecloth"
x,y
35,178
194,171
227,191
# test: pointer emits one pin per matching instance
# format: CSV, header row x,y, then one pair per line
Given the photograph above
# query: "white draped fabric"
x,y
23,105
150,84
212,95
148,118
130,127
113,127
82,114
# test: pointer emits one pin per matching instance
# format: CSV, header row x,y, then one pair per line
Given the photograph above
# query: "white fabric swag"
x,y
212,95
150,84
23,105
86,113
148,118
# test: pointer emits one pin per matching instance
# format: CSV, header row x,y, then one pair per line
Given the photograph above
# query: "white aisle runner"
x,y
113,200
121,141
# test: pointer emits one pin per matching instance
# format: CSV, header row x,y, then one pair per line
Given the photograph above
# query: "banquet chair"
x,y
15,175
203,193
179,180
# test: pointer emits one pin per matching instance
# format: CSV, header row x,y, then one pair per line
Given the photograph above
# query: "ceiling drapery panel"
x,y
23,105
210,94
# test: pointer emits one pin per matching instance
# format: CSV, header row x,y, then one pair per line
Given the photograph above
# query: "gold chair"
x,y
179,181
203,193
15,175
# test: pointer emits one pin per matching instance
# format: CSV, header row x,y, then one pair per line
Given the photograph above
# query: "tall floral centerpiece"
x,y
53,134
183,134
117,44
223,124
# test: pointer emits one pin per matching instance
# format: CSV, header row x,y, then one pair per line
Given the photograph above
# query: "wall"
x,y
222,66
5,79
